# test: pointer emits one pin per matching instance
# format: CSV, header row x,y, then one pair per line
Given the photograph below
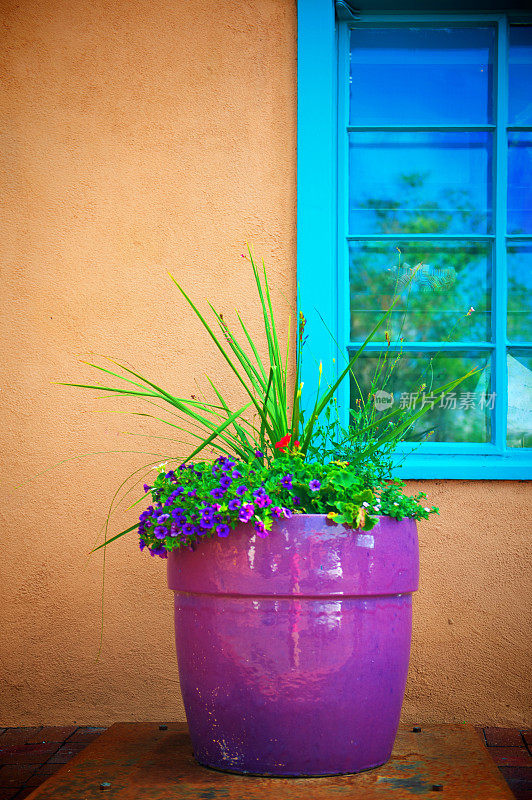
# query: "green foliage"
x,y
208,499
343,473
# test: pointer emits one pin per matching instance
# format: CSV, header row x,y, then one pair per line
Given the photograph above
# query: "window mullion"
x,y
499,290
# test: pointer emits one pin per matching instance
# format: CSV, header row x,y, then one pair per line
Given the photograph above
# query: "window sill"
x,y
511,466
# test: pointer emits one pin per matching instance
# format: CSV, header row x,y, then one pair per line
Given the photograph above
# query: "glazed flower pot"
x,y
293,649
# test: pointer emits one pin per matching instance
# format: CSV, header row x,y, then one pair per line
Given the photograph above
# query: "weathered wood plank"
x,y
133,761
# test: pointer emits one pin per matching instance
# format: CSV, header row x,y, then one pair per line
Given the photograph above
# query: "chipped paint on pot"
x,y
293,650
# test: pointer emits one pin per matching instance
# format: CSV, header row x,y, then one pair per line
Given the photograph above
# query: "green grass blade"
x,y
222,351
253,347
258,382
219,429
114,538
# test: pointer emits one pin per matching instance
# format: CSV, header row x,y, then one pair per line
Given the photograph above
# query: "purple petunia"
x,y
142,544
223,530
287,513
276,512
175,494
233,504
147,488
260,529
296,500
144,516
174,530
241,490
188,529
192,493
163,518
263,500
286,482
246,512
226,481
217,493
236,474
160,532
259,454
314,485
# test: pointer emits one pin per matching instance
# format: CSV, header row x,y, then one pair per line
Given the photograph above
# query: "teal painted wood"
x,y
499,296
323,267
342,333
317,188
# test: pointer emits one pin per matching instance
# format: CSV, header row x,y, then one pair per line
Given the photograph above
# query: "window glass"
x,y
520,291
421,75
519,431
437,283
520,181
420,182
420,227
461,415
520,75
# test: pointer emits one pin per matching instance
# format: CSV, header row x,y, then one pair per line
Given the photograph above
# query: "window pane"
x,y
420,182
520,292
451,70
520,182
463,415
434,306
520,75
519,433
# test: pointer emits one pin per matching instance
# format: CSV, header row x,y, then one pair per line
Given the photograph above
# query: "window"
x,y
414,179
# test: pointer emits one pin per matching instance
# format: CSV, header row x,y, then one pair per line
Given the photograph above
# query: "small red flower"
x,y
282,444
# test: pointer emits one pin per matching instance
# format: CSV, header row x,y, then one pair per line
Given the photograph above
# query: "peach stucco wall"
x,y
145,136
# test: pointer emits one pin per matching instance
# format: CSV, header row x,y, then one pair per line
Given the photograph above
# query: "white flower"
x,y
426,509
366,505
396,504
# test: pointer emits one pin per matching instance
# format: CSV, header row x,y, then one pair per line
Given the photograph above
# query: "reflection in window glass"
x,y
387,62
420,182
520,182
520,292
462,415
520,75
448,280
519,433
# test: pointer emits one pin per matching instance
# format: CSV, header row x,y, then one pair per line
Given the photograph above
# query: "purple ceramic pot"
x,y
293,650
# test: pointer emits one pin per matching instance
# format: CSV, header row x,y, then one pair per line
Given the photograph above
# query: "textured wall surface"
x,y
144,137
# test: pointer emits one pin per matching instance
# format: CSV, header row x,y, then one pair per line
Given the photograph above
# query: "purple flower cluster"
x,y
174,520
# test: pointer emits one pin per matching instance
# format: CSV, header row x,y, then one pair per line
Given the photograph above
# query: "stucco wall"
x,y
144,137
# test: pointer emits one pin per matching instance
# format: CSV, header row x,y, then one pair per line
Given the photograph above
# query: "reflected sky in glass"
x,y
520,292
451,70
520,181
519,430
520,75
420,182
452,278
463,415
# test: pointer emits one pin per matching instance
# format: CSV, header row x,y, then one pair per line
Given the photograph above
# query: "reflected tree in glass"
x,y
453,277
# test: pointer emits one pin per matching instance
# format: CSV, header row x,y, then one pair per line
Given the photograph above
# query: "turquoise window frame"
x,y
321,234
